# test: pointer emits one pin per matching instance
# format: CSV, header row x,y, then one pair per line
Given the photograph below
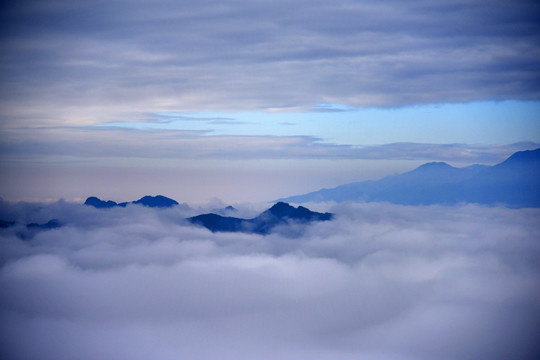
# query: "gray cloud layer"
x,y
379,282
76,61
47,143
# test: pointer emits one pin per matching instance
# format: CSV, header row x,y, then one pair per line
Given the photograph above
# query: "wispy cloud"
x,y
113,140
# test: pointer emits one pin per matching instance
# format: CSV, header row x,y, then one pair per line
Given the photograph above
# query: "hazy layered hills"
x,y
279,214
514,182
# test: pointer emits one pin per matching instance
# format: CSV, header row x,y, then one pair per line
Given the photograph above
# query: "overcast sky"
x,y
256,99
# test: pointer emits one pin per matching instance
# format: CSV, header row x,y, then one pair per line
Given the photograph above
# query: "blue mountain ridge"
x,y
514,182
51,224
6,224
158,201
279,214
28,231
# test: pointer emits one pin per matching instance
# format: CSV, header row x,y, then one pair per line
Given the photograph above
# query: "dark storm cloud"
x,y
379,282
71,57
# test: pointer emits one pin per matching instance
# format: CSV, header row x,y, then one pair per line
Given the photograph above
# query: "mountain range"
x,y
514,182
158,201
28,231
279,214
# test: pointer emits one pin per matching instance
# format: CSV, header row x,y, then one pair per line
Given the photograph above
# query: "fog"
x,y
380,281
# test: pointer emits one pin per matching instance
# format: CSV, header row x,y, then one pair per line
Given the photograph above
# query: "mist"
x,y
380,281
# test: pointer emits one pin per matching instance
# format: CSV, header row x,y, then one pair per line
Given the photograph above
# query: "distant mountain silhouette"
x,y
101,204
51,224
158,201
5,224
515,183
279,214
30,230
225,211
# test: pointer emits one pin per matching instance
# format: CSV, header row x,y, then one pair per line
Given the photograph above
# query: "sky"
x,y
379,282
257,100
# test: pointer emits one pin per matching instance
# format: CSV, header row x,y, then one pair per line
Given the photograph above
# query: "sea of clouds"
x,y
380,281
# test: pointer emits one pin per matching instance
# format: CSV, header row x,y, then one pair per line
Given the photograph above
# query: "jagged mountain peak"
x,y
281,209
156,201
98,203
280,213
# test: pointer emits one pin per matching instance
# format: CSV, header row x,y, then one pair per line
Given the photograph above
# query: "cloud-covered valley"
x,y
380,281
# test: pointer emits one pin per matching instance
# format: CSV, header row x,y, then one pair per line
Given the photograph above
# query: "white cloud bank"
x,y
379,282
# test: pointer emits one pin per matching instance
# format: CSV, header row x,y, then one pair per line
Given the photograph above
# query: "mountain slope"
x,y
515,182
279,214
